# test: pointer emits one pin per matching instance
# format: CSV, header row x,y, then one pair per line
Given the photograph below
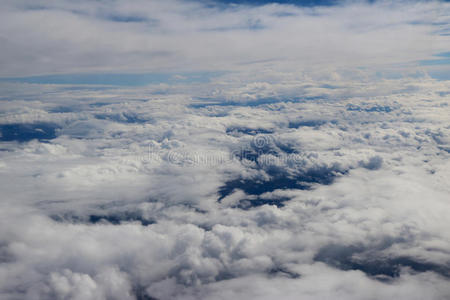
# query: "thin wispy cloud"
x,y
48,37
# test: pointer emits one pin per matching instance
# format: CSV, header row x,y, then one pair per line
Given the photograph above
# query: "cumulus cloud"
x,y
184,200
298,171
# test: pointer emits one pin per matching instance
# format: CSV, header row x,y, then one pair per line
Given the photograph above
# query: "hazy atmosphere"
x,y
188,149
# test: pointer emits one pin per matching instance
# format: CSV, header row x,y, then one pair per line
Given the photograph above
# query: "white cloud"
x,y
106,210
47,37
344,193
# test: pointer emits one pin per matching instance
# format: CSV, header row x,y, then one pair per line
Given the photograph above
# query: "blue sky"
x,y
441,59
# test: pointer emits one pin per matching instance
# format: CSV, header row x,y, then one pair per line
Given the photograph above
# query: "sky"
x,y
224,149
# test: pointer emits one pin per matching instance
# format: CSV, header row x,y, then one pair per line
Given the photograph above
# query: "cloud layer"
x,y
45,37
311,160
142,194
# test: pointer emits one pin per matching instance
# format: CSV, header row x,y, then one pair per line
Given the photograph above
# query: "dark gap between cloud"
x,y
376,108
382,268
24,132
122,118
324,175
238,131
111,218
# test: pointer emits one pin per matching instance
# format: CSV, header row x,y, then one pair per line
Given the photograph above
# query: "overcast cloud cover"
x,y
224,149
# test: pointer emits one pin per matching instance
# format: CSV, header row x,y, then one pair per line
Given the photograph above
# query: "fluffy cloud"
x,y
308,174
166,196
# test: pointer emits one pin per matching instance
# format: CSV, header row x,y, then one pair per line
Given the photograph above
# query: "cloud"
x,y
190,36
148,197
299,171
